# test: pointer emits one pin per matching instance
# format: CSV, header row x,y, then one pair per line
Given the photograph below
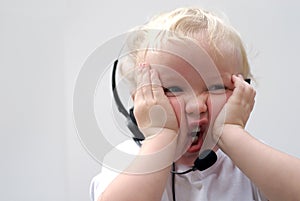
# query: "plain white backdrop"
x,y
43,45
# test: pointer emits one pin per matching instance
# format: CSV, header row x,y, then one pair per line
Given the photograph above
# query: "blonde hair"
x,y
182,23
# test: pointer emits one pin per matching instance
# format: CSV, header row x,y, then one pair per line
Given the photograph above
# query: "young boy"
x,y
190,92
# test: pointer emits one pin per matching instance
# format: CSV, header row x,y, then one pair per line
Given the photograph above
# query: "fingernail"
x,y
241,76
143,64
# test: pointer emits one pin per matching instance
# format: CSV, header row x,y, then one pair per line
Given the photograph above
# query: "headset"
x,y
206,158
131,121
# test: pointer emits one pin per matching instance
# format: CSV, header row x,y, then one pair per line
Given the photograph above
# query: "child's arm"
x,y
144,186
152,165
275,173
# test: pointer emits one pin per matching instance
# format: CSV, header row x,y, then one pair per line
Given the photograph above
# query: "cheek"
x,y
228,94
215,103
177,105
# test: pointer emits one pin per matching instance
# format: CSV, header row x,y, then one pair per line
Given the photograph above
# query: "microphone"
x,y
205,160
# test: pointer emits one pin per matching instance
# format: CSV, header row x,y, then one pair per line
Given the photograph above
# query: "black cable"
x,y
173,182
205,160
184,172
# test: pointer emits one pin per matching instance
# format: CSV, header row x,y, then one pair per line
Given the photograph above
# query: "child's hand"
x,y
238,107
152,108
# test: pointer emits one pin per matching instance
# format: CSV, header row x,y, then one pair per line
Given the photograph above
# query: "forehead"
x,y
196,62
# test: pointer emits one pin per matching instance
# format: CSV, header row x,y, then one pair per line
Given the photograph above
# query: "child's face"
x,y
196,96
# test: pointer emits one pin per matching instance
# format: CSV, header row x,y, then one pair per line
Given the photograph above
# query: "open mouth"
x,y
197,139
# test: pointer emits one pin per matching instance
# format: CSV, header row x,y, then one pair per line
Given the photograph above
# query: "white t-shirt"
x,y
221,182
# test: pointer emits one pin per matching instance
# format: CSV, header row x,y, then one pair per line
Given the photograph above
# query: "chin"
x,y
188,159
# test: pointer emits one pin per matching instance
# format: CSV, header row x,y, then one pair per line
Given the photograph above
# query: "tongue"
x,y
196,145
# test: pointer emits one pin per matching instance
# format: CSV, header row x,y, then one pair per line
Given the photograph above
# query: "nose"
x,y
197,104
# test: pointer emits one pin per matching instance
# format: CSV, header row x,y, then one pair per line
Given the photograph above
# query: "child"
x,y
191,87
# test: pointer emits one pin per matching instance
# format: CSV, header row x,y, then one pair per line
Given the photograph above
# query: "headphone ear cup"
x,y
132,125
248,80
132,117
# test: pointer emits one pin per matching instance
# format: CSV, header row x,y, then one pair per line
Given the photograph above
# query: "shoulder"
x,y
111,166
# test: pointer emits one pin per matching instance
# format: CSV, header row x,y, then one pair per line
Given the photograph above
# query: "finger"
x,y
240,76
243,89
146,83
249,90
157,89
138,92
138,74
238,87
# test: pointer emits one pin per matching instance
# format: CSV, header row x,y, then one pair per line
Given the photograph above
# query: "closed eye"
x,y
172,91
217,88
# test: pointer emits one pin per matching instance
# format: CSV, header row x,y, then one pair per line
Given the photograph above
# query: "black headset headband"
x,y
131,121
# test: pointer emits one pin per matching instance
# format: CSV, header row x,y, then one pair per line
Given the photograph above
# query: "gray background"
x,y
43,45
